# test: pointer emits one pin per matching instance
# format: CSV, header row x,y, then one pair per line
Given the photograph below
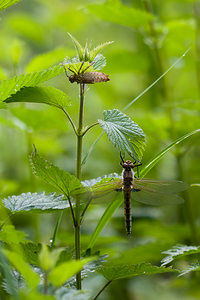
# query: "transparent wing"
x,y
154,198
160,186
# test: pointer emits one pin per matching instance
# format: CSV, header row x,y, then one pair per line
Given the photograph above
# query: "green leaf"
x,y
48,258
35,201
58,178
6,3
179,251
48,95
99,48
9,234
23,268
66,270
13,85
149,165
104,220
116,12
8,276
192,268
80,50
128,271
125,134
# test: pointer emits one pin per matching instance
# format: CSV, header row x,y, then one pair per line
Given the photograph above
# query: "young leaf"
x,y
9,234
35,201
128,271
179,251
23,268
6,3
116,12
149,165
80,50
93,53
48,258
58,178
125,134
13,85
48,95
60,274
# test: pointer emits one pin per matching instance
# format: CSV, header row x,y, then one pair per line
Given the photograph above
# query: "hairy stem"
x,y
103,288
78,175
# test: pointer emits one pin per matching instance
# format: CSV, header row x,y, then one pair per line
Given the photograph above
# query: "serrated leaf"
x,y
23,268
66,270
116,12
124,133
128,271
35,201
47,258
9,234
93,53
80,50
192,268
58,178
179,251
6,3
48,95
13,85
99,62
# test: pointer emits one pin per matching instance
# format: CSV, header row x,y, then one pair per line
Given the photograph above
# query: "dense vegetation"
x,y
62,143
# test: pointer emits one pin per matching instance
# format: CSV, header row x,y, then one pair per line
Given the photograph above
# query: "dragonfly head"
x,y
128,164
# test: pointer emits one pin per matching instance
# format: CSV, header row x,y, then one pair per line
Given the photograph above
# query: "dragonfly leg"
x,y
122,158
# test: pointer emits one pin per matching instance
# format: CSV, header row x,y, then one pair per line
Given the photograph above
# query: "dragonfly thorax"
x,y
128,165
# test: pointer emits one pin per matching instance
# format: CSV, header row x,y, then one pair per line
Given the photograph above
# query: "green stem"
x,y
70,120
103,288
78,175
89,127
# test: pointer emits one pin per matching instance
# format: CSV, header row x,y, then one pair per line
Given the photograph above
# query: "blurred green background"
x,y
147,42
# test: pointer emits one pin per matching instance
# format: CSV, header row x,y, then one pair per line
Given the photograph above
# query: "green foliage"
x,y
72,294
6,3
48,259
62,181
179,251
127,271
64,271
13,85
35,201
124,133
10,235
114,11
47,95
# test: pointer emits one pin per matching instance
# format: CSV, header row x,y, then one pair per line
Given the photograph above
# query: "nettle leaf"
x,y
192,268
9,234
35,201
124,133
179,251
47,95
116,12
58,178
13,85
128,271
99,62
72,294
6,3
80,49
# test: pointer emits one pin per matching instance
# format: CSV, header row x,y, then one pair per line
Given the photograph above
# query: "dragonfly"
x,y
147,191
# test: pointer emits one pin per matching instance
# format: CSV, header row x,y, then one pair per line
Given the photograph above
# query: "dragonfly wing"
x,y
153,198
160,186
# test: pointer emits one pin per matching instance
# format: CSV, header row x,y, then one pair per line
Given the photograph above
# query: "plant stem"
x,y
89,127
78,175
70,120
103,288
56,229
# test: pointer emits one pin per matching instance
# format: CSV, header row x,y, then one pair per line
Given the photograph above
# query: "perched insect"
x,y
86,77
147,191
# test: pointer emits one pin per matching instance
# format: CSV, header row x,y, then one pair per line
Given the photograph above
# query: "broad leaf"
x,y
64,271
23,268
192,268
149,165
58,178
35,201
124,133
9,234
13,85
64,293
47,258
179,251
48,95
116,12
128,271
6,3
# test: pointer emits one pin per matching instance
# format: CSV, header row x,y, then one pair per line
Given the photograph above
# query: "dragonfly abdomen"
x,y
127,211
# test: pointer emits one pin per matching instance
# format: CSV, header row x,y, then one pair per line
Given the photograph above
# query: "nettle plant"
x,y
52,271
